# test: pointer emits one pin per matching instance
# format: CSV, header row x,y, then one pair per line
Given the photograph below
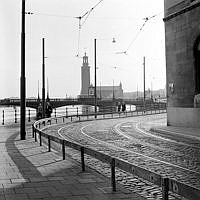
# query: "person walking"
x,y
123,107
39,111
48,110
119,107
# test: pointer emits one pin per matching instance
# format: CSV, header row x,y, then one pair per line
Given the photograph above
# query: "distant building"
x,y
110,92
85,77
182,36
87,89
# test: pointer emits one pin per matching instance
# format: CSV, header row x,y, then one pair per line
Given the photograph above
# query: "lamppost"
x,y
144,100
23,79
43,78
95,75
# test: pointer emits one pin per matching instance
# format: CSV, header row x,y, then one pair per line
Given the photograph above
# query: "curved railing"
x,y
167,184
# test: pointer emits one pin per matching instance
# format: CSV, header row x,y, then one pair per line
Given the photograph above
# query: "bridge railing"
x,y
167,184
13,115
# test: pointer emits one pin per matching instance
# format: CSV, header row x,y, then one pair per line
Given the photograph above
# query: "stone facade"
x,y
85,76
182,36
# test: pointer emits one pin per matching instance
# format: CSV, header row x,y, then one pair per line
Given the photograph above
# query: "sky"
x,y
57,22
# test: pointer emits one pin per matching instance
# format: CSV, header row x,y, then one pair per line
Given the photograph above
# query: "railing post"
x,y
77,111
3,118
71,118
165,188
40,135
55,112
39,125
35,135
15,116
63,119
33,129
63,149
82,159
66,113
113,181
29,116
49,143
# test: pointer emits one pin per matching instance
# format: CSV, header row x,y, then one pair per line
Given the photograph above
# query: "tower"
x,y
85,76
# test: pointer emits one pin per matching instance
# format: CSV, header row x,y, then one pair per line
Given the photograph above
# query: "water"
x,y
9,112
12,114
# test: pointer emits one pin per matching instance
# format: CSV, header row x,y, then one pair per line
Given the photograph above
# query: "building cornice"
x,y
182,11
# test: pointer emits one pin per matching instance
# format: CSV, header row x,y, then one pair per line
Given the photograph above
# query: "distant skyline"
x,y
56,21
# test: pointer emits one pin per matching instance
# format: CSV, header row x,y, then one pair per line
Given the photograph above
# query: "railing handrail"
x,y
167,184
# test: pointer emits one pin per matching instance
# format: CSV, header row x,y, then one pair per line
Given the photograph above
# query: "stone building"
x,y
85,77
108,92
102,91
182,35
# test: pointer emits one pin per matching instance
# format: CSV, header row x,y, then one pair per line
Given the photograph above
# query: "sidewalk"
x,y
160,127
28,171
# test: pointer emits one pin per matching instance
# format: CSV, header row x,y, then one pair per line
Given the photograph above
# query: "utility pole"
x,y
95,77
144,86
23,79
43,79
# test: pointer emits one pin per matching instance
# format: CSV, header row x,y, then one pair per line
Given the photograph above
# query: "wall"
x,y
183,117
181,32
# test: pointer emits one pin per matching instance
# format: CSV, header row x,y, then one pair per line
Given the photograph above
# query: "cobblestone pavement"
x,y
126,139
28,171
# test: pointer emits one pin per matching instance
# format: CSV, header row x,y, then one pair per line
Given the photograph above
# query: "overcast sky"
x,y
55,20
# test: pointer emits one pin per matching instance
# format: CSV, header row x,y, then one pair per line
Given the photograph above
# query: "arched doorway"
x,y
197,65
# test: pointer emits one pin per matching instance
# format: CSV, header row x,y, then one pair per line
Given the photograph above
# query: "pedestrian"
x,y
123,107
39,111
48,110
119,107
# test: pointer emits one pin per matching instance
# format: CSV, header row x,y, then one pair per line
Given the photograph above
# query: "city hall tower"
x,y
85,76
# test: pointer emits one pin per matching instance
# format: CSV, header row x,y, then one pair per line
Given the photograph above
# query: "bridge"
x,y
59,102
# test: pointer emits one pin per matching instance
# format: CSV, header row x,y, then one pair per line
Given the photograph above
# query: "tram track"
x,y
78,132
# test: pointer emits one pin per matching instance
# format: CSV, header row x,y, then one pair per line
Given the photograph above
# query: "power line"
x,y
146,19
85,17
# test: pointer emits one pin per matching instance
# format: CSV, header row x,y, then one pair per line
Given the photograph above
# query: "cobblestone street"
x,y
130,139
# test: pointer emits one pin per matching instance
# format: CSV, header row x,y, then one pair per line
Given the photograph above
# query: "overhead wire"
x,y
85,15
146,19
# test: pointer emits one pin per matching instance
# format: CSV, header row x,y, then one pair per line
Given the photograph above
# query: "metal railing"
x,y
167,184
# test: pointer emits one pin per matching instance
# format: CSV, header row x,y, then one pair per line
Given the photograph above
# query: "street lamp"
x,y
23,79
95,73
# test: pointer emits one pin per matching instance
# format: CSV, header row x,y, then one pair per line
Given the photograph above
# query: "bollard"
x,y
63,149
71,118
15,116
66,113
40,138
56,120
3,118
113,181
165,188
63,119
29,116
82,159
49,143
77,111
